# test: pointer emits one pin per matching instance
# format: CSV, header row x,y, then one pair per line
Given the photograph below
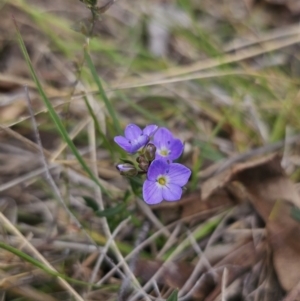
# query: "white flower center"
x,y
162,180
164,152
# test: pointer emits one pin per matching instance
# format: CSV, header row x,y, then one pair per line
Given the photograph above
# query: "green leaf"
x,y
136,184
111,211
209,152
173,296
108,104
295,214
54,116
127,161
90,202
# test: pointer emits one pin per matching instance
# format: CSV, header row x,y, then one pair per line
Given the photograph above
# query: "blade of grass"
x,y
108,104
41,266
53,113
173,296
97,126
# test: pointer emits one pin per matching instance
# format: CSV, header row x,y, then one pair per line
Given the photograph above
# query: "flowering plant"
x,y
156,149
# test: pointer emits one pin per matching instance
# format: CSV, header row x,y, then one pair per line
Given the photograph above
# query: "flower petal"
x,y
132,131
162,138
176,148
152,193
160,157
172,192
141,141
124,143
178,174
157,167
150,129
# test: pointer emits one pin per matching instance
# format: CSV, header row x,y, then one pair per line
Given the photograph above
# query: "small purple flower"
x,y
135,138
149,130
164,181
167,147
127,169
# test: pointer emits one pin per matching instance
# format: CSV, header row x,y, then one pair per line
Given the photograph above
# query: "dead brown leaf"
x,y
294,294
273,195
192,209
237,263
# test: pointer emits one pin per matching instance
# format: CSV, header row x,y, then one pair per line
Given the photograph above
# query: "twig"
x,y
26,177
105,249
227,163
142,235
224,282
172,239
55,244
201,261
148,212
77,129
21,138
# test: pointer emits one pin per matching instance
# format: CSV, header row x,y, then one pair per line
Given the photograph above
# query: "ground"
x,y
223,77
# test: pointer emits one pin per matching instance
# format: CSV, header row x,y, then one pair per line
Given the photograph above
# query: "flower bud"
x,y
143,163
150,150
127,169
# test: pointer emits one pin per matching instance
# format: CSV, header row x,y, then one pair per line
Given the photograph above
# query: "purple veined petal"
x,y
160,157
141,141
152,193
127,169
132,131
178,174
124,143
124,167
162,138
176,149
157,167
172,192
150,129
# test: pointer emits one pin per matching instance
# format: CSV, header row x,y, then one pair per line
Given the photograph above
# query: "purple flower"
x,y
135,138
164,181
167,147
127,169
150,129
